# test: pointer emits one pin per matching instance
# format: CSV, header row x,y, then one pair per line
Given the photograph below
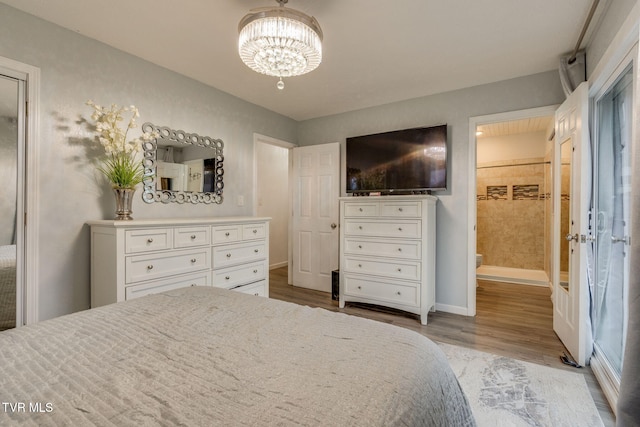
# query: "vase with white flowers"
x,y
121,166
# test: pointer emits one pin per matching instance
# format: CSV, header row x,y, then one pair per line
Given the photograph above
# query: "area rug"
x,y
508,392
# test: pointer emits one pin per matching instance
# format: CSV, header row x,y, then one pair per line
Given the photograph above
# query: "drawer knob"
x,y
193,260
256,250
399,228
400,209
360,227
399,270
360,265
398,293
149,240
226,234
360,209
359,246
255,271
150,267
228,255
359,287
399,249
255,231
227,278
257,294
193,284
193,237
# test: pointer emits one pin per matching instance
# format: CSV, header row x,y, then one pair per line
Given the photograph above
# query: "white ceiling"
x,y
515,127
375,52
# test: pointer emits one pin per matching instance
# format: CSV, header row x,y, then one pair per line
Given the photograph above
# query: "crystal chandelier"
x,y
280,42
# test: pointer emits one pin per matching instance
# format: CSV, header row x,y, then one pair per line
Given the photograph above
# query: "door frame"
x,y
474,122
617,56
30,207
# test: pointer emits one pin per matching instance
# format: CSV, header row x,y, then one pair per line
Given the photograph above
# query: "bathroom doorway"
x,y
513,273
513,192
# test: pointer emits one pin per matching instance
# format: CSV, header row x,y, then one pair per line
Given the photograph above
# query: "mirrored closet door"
x,y
11,198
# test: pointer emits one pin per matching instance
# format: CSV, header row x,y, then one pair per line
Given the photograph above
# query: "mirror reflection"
x,y
565,212
9,139
182,167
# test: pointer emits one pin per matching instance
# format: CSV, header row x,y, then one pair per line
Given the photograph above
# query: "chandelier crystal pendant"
x,y
280,42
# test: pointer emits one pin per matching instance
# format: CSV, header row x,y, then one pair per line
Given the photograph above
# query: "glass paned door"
x,y
612,218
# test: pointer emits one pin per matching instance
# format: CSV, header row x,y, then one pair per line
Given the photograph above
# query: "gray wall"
x,y
454,108
75,68
605,30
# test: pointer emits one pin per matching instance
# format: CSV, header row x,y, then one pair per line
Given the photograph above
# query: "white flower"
x,y
114,141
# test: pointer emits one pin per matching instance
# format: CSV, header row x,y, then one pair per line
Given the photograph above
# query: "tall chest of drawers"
x,y
130,259
387,252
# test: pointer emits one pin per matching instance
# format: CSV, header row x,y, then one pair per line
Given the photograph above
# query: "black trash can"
x,y
335,285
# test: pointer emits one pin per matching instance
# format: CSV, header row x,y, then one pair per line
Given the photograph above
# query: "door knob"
x,y
333,225
571,237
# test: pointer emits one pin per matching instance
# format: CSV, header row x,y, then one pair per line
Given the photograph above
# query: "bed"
x,y
209,356
7,286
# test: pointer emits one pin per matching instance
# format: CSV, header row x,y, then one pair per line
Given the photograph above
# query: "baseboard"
x,y
453,309
278,265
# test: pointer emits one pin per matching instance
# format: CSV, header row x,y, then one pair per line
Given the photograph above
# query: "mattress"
x,y
7,286
209,356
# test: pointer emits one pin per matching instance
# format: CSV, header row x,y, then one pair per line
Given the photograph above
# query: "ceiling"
x,y
516,127
374,52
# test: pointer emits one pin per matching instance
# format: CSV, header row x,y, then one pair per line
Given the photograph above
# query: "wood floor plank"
x,y
511,320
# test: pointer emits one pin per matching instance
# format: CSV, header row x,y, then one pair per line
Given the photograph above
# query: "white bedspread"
x,y
205,356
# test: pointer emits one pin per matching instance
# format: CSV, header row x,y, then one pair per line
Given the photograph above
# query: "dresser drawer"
x,y
361,209
257,289
366,287
404,249
383,228
139,268
239,275
157,286
226,234
187,237
238,253
388,268
253,231
147,240
401,209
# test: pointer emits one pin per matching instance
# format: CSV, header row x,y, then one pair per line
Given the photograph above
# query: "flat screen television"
x,y
398,162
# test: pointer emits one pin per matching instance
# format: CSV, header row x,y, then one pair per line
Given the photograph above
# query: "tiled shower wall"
x,y
514,221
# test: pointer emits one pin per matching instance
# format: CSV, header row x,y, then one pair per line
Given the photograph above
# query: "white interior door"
x,y
572,183
316,188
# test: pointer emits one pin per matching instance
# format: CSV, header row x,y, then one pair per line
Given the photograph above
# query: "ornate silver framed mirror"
x,y
181,167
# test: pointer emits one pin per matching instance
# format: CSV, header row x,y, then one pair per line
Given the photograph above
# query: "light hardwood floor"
x,y
511,320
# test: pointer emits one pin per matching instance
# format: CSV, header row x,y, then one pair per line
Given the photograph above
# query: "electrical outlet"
x,y
240,200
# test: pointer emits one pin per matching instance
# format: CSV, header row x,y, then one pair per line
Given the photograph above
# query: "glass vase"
x,y
124,199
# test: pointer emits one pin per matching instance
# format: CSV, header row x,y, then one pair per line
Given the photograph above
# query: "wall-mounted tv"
x,y
398,162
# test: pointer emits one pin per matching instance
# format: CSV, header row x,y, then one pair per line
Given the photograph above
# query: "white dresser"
x,y
387,252
130,259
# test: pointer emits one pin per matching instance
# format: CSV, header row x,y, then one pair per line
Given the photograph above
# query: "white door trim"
x,y
263,139
31,205
474,122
